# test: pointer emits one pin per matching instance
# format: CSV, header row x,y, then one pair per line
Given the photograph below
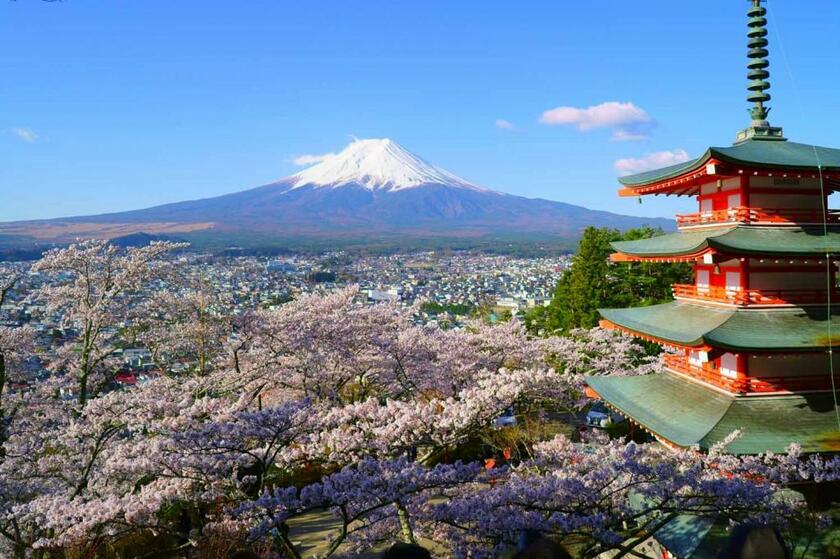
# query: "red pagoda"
x,y
754,333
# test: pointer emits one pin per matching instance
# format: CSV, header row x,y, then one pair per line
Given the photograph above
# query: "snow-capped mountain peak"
x,y
378,164
349,198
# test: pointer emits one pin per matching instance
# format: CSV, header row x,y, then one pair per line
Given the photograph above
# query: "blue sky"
x,y
121,104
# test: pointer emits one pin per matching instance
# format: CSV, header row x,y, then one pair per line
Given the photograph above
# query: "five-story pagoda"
x,y
754,333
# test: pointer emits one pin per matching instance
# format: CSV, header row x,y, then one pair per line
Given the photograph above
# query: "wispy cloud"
x,y
25,134
626,120
655,160
623,135
311,159
505,124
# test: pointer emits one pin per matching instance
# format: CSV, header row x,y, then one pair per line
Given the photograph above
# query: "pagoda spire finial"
x,y
758,75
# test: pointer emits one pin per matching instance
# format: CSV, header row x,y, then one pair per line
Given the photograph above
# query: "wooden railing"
x,y
744,297
743,214
707,373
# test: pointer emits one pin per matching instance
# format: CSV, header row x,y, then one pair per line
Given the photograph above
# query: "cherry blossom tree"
x,y
615,496
189,322
324,364
596,499
15,345
370,498
325,404
52,449
93,289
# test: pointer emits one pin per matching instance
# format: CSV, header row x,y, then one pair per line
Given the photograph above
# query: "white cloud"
x,y
622,135
627,121
505,124
655,160
25,134
311,159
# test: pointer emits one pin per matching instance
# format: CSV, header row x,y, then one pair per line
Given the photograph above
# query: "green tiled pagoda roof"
x,y
751,153
690,536
747,240
692,325
687,536
676,322
687,414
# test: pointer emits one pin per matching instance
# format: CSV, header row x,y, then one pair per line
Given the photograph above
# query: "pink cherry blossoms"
x,y
327,405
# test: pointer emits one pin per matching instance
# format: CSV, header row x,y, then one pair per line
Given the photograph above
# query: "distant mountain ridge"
x,y
370,190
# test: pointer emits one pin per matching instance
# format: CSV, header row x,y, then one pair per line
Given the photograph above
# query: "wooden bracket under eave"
x,y
628,192
622,257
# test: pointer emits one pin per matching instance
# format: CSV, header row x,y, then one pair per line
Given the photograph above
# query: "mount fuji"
x,y
371,191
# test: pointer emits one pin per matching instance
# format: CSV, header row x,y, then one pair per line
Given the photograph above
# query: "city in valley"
x,y
448,289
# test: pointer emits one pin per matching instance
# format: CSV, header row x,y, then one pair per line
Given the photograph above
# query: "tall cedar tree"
x,y
593,282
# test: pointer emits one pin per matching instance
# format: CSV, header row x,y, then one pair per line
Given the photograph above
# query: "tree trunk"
x,y
84,364
406,533
2,410
282,542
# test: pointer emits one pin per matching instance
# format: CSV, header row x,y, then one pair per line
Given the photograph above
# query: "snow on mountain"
x,y
373,190
378,164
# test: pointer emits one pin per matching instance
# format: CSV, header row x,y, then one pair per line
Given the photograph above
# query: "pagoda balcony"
x,y
705,373
758,216
708,374
755,297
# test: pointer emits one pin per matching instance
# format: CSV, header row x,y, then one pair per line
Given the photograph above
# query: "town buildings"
x,y
453,285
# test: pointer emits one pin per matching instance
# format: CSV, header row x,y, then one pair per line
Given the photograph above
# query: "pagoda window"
x,y
733,283
697,358
733,200
703,277
729,365
706,208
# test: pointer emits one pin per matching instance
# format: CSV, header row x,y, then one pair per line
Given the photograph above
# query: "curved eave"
x,y
682,244
748,158
684,430
698,344
680,170
678,324
795,242
690,325
780,156
622,257
685,413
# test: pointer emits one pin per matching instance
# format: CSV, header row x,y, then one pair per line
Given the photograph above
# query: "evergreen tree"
x,y
593,282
